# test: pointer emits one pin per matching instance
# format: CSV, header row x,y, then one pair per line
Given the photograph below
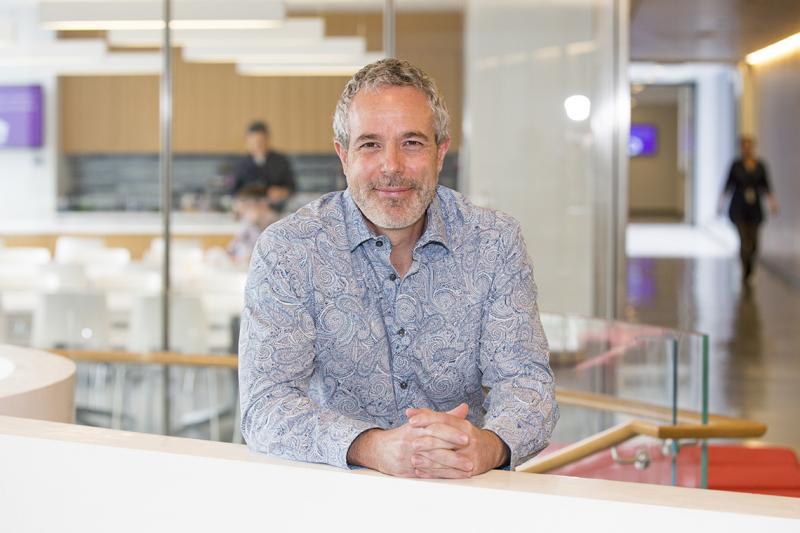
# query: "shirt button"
x,y
401,331
403,385
378,243
392,276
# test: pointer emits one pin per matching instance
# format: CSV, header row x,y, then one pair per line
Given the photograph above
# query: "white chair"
x,y
188,327
187,324
222,293
71,319
60,277
103,257
78,319
179,249
24,256
72,249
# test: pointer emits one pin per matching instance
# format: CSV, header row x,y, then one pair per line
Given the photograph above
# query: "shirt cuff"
x,y
346,440
515,436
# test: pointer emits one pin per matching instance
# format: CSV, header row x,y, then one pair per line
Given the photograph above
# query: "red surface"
x,y
761,470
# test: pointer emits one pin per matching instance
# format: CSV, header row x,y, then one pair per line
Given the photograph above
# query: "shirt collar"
x,y
358,232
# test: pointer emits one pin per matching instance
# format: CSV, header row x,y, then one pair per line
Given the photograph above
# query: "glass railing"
x,y
635,364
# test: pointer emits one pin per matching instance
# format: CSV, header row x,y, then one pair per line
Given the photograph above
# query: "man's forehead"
x,y
390,104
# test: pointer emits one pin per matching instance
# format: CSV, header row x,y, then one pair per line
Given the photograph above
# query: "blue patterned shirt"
x,y
334,342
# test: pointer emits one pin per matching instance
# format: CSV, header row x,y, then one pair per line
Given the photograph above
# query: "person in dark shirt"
x,y
266,167
747,184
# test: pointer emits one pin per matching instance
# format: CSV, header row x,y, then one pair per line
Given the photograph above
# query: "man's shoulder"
x,y
465,217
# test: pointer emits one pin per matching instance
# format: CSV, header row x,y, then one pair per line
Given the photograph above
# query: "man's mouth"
x,y
393,191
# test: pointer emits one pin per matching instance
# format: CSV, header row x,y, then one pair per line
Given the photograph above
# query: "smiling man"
x,y
394,325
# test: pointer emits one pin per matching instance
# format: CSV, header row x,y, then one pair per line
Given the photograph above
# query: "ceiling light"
x,y
308,69
781,48
577,107
148,14
291,32
340,50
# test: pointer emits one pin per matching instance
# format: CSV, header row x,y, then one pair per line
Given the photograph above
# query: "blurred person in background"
x,y
256,213
265,167
747,184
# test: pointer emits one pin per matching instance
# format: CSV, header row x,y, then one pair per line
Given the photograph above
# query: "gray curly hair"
x,y
393,73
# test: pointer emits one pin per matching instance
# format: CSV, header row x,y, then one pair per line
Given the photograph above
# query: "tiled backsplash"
x,y
127,182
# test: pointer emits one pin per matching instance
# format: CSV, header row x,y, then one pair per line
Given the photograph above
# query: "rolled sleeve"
x,y
276,352
520,406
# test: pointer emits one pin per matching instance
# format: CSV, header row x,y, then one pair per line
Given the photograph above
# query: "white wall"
x,y
28,176
523,155
716,139
776,102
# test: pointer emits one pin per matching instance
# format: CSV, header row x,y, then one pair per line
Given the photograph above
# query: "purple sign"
x,y
21,116
643,140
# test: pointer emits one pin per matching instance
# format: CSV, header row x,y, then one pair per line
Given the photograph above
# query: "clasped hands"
x,y
430,445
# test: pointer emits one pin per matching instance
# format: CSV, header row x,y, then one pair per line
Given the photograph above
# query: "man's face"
x,y
747,148
257,143
392,164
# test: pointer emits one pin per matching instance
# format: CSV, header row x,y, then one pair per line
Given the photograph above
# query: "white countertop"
x,y
139,482
121,223
36,384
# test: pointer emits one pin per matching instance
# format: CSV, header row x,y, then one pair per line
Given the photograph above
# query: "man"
x,y
376,318
264,166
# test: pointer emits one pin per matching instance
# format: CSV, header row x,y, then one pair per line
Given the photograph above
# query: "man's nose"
x,y
392,160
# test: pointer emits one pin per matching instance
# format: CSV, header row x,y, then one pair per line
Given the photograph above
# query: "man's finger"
x,y
441,459
445,432
441,473
428,418
426,443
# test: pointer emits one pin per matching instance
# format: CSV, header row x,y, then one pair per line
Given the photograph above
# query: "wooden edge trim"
x,y
579,450
151,358
689,425
605,402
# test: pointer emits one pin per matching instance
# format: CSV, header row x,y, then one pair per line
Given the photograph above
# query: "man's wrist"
x,y
361,449
502,453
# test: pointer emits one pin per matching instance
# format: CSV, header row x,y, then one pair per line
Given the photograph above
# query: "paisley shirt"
x,y
333,342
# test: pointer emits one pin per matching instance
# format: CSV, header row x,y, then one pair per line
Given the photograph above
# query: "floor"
x,y
754,334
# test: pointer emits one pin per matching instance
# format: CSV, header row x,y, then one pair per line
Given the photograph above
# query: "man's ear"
x,y
441,152
341,151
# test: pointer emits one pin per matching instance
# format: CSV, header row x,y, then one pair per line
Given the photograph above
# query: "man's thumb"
x,y
460,410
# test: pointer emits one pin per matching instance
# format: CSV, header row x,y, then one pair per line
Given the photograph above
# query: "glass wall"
x,y
533,93
545,130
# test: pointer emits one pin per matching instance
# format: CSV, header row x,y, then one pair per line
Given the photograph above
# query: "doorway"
x,y
661,148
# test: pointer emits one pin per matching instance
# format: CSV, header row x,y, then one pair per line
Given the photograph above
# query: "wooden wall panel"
x,y
213,104
99,114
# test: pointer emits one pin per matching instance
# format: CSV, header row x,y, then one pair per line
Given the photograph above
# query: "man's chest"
x,y
378,332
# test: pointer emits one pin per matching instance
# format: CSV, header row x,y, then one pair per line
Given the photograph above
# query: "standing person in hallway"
x,y
747,183
394,325
265,167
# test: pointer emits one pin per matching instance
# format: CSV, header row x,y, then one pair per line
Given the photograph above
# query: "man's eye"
x,y
414,144
369,145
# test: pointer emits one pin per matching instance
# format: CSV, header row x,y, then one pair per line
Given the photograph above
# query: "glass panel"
x,y
78,148
542,130
638,363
